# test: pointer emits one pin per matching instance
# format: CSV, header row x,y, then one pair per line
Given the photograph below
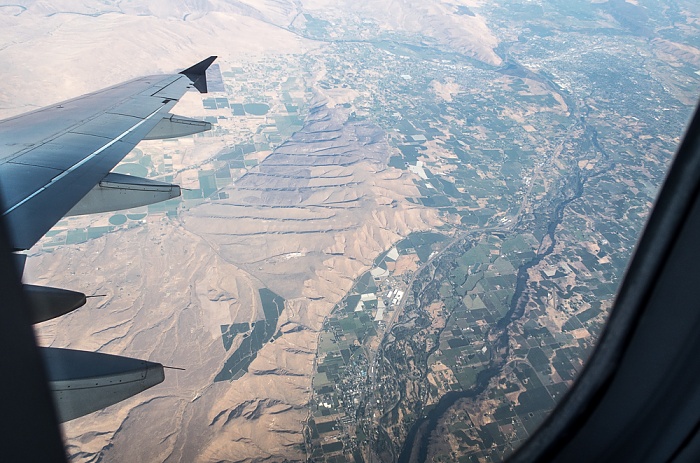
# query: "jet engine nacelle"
x,y
47,302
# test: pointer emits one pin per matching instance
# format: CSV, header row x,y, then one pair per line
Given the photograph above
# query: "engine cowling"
x,y
46,302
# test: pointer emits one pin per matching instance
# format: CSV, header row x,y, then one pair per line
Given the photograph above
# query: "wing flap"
x,y
18,180
174,90
61,153
107,125
139,107
153,89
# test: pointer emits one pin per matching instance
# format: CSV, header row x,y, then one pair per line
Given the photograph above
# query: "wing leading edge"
x,y
57,161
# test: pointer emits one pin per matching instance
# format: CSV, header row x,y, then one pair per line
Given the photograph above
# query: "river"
x,y
418,439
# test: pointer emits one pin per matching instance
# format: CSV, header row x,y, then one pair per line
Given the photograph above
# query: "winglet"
x,y
197,74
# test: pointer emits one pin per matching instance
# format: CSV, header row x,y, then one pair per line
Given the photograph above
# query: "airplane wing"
x,y
55,162
52,158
